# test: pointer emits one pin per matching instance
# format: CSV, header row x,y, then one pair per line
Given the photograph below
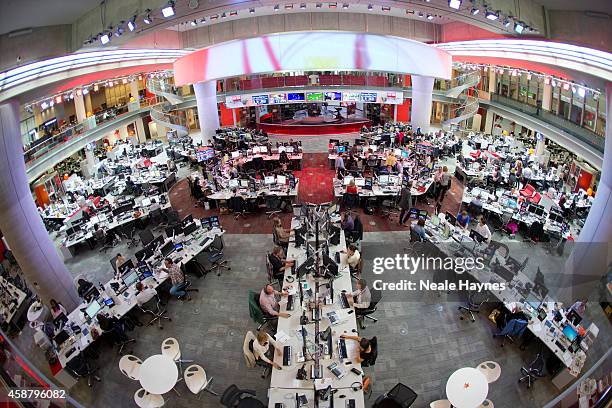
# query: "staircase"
x,y
469,103
162,112
463,82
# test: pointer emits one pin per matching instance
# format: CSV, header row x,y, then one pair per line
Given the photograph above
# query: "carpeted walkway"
x,y
315,187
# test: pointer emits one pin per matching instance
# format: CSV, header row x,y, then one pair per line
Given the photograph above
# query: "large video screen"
x,y
333,96
278,98
351,96
260,99
314,96
368,97
295,96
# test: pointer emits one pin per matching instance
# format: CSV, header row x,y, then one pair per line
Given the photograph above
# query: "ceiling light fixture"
x,y
303,6
233,13
454,4
168,10
386,8
370,7
132,24
147,19
475,11
430,17
252,10
519,27
546,81
421,14
581,92
276,8
345,6
507,22
202,20
491,15
332,5
223,15
319,5
104,39
288,6
96,87
194,23
58,99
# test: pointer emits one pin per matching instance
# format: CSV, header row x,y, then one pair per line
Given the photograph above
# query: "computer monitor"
x,y
60,338
174,230
302,270
92,310
289,149
244,183
146,237
91,293
214,221
60,321
476,236
144,270
368,183
451,219
360,182
405,154
131,278
167,249
539,211
347,180
330,265
573,317
556,217
234,183
383,179
341,149
393,180
256,149
269,180
397,152
235,154
157,242
325,334
126,266
189,229
423,214
280,179
187,220
570,332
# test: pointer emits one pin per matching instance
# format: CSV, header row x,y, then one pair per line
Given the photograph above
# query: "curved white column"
x,y
20,222
592,254
420,111
208,115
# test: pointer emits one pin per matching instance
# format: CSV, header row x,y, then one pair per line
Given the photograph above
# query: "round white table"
x,y
467,388
158,374
37,312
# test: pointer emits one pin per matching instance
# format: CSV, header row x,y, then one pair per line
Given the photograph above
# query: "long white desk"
x,y
284,381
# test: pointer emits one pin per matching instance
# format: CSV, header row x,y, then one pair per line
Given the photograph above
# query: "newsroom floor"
x,y
421,342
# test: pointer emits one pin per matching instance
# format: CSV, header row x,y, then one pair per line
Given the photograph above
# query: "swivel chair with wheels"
x,y
400,396
256,313
81,368
215,256
474,302
363,314
233,395
155,308
533,371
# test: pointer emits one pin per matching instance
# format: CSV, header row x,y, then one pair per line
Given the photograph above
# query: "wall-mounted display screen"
x,y
260,99
351,96
368,97
314,96
295,96
333,96
278,98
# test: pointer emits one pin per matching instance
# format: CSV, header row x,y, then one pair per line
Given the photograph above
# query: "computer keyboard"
x,y
287,355
342,353
344,300
205,241
290,302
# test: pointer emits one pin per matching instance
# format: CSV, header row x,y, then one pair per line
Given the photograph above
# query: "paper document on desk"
x,y
338,316
282,337
84,341
291,290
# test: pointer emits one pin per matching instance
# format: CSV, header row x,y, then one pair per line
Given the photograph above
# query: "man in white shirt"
x,y
352,256
144,294
483,229
361,297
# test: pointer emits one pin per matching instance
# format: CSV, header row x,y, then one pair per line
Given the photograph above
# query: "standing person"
x,y
444,185
404,203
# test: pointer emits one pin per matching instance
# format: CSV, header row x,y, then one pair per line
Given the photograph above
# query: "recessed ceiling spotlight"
x,y
454,4
194,23
519,27
147,19
421,14
507,22
288,6
491,15
233,13
276,8
119,30
214,17
345,6
104,39
168,10
223,15
319,5
581,92
202,20
475,10
132,24
386,8
430,17
303,6
370,7
332,5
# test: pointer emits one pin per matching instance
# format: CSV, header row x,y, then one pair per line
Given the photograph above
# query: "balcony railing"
x,y
578,132
265,82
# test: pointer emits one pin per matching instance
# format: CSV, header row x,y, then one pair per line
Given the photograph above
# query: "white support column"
x,y
234,117
492,79
420,114
547,97
208,115
21,224
88,105
592,252
395,113
140,131
540,145
488,129
134,89
79,105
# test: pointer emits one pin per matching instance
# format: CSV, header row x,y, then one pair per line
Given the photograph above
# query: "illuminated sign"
x,y
260,99
367,97
333,96
295,96
278,98
314,96
351,96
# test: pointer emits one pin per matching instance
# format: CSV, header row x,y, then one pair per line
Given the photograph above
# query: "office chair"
x,y
270,272
356,273
215,256
237,205
276,241
533,371
350,200
473,305
233,395
108,245
157,313
365,313
249,340
156,217
400,396
128,231
145,236
389,207
273,203
81,368
256,313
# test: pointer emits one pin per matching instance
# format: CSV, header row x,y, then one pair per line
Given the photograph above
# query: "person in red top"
x,y
351,188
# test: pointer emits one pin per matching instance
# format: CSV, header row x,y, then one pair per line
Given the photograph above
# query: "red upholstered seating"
x,y
530,193
475,154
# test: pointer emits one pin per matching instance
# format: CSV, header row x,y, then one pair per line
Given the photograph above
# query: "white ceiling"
x,y
18,14
602,6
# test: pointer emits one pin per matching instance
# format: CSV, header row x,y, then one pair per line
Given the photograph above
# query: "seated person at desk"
x,y
419,229
57,308
367,352
99,234
232,171
112,324
475,206
352,257
119,260
279,263
283,158
268,303
144,293
483,229
83,286
346,221
281,233
351,188
579,307
463,219
197,189
261,349
179,284
360,298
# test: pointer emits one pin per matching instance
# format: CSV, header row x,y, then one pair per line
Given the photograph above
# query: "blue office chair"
x,y
215,256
